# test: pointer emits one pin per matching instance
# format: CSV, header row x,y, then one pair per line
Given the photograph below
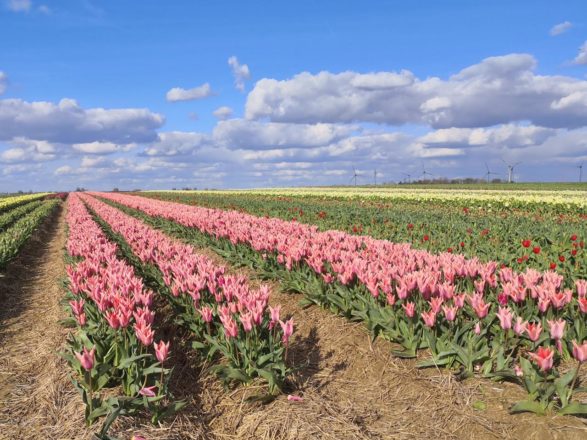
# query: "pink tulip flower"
x,y
543,357
162,350
534,330
580,351
148,391
557,328
410,309
429,318
287,328
87,358
505,318
520,326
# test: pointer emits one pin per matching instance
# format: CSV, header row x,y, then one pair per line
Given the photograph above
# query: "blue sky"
x,y
313,90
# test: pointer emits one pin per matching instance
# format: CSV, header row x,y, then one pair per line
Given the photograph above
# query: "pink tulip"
x,y
534,330
557,328
429,318
112,319
230,328
274,312
293,398
481,309
144,333
410,309
459,300
87,358
81,319
520,326
162,350
287,328
148,391
580,351
450,313
477,329
206,313
543,358
505,318
246,320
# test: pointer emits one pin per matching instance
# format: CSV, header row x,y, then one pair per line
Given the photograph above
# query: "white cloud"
x,y
28,150
67,122
560,28
101,147
19,5
498,90
44,9
64,170
581,57
93,161
240,72
223,113
3,81
179,94
243,134
512,136
176,143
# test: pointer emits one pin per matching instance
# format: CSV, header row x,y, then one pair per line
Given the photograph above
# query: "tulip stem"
x,y
90,400
574,381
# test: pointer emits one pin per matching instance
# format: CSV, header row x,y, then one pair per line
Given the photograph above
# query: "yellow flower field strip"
x,y
568,199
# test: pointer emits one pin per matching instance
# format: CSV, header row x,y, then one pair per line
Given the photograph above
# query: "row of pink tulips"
x,y
225,314
114,342
477,315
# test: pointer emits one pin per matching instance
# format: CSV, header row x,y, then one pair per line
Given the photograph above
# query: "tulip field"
x,y
19,217
488,287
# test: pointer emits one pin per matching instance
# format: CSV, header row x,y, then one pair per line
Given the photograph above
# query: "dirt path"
x,y
37,400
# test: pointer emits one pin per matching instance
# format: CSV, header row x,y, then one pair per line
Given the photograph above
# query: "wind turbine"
x,y
489,173
511,169
355,175
375,176
425,173
409,176
580,172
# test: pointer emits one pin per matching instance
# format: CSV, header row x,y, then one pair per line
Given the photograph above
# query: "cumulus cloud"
x,y
223,113
101,147
243,134
498,90
179,94
28,150
512,136
581,57
67,122
240,72
19,5
175,143
560,28
3,81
